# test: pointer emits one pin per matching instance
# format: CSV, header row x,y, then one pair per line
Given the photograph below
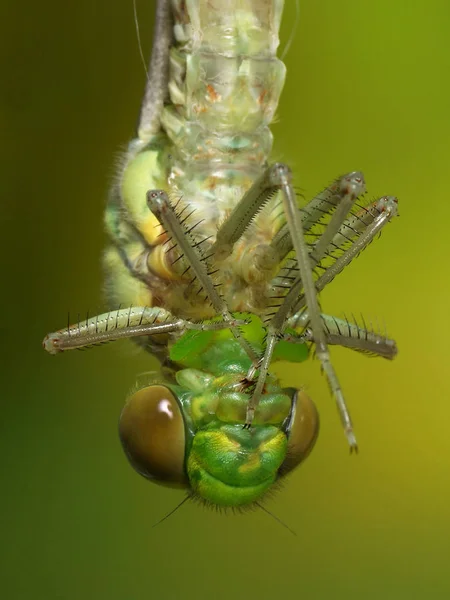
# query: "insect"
x,y
219,268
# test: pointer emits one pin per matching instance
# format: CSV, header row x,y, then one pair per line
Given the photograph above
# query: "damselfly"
x,y
219,269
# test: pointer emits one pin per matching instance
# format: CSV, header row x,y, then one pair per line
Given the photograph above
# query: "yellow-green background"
x,y
368,88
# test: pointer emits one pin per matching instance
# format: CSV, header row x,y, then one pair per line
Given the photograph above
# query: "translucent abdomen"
x,y
225,80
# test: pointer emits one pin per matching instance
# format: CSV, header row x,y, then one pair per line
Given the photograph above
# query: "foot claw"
x,y
352,441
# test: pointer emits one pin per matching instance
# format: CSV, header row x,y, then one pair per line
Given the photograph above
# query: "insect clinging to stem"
x,y
220,269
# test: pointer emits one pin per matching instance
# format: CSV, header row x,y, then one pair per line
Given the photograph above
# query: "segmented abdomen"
x,y
225,81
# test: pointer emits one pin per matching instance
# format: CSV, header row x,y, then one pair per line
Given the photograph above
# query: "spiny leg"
x,y
337,197
376,217
159,204
364,230
359,230
278,177
277,324
349,188
135,321
261,191
342,332
294,221
353,186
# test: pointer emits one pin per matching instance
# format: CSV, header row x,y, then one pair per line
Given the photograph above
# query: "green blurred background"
x,y
368,88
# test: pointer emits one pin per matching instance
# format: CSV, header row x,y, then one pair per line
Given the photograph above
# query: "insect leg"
x,y
159,204
342,332
256,261
364,230
353,185
293,218
130,322
338,197
110,326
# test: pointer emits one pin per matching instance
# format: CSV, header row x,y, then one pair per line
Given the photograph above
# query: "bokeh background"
x,y
368,88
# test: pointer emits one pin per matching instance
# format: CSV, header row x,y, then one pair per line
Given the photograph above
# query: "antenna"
x,y
188,497
277,519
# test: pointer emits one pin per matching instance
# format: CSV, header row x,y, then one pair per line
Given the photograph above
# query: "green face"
x,y
190,433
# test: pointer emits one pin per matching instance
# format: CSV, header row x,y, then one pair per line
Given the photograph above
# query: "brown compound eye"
x,y
151,429
301,429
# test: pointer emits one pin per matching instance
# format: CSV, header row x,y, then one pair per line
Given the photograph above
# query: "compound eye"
x,y
151,429
301,428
